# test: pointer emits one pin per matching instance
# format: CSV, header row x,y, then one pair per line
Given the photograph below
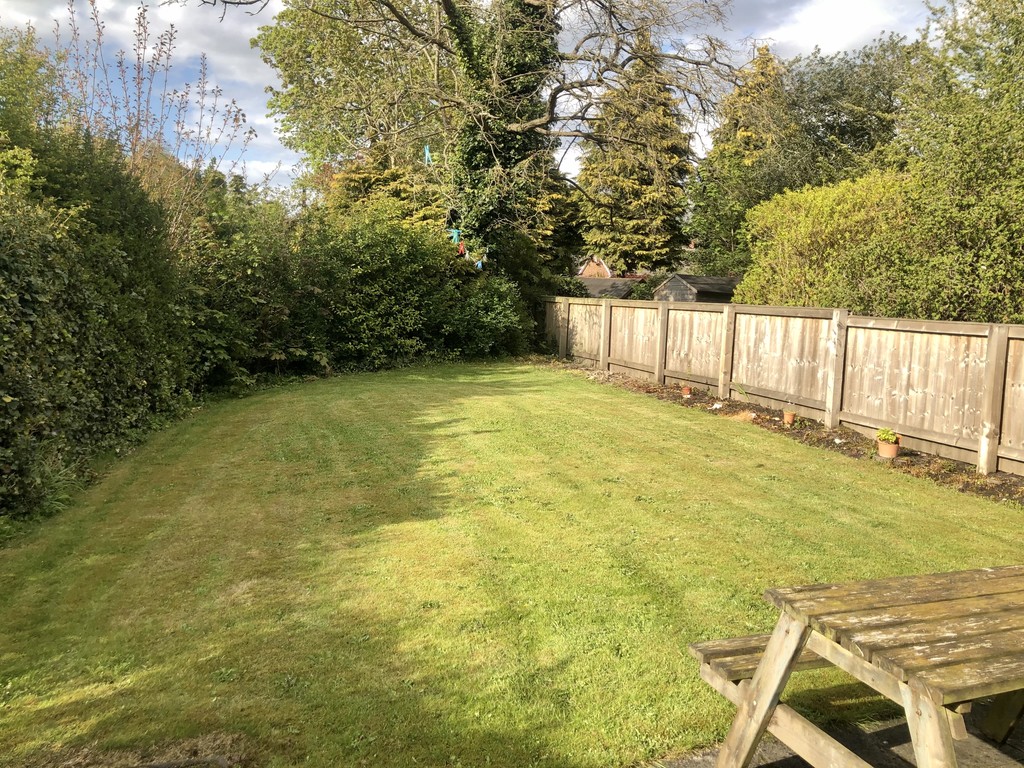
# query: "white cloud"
x,y
838,25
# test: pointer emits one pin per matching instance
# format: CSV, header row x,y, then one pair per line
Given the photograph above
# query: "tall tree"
x,y
499,81
811,120
632,175
941,237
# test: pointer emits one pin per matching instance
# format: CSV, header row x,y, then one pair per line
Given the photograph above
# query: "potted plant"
x,y
888,443
686,389
788,415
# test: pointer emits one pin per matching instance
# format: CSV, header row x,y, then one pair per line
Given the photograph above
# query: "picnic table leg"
x,y
929,728
1003,716
762,694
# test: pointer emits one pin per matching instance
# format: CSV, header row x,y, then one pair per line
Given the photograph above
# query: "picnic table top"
x,y
959,634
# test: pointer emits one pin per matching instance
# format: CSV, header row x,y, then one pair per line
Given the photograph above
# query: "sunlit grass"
x,y
459,565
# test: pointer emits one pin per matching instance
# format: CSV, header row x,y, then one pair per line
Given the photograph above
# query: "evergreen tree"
x,y
811,120
632,178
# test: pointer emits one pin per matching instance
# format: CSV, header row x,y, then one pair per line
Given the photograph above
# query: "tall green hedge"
x,y
92,344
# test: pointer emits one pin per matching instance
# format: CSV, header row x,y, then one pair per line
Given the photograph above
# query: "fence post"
x,y
606,334
992,400
725,367
835,362
660,349
563,328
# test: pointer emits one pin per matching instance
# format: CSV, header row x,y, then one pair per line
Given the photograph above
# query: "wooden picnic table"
x,y
933,644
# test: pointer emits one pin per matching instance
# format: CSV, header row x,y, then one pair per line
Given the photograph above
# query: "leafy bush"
x,y
892,245
91,347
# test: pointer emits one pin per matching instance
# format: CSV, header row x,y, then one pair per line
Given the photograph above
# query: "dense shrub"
x,y
358,290
892,245
847,245
91,345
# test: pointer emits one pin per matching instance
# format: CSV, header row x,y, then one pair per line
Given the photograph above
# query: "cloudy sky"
x,y
790,26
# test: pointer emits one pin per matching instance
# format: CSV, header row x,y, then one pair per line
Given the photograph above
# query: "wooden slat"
x,y
882,681
707,650
911,658
744,667
896,635
810,312
737,658
774,394
974,679
757,706
929,729
1002,717
951,327
831,598
844,626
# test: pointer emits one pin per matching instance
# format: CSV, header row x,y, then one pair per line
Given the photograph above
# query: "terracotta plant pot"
x,y
788,417
686,390
888,450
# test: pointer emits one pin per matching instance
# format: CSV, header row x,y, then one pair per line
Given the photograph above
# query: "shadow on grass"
x,y
231,577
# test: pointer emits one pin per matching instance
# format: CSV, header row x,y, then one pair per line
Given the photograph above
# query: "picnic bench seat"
x,y
736,658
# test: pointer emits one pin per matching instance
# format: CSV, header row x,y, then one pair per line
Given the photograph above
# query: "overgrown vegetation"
x,y
136,276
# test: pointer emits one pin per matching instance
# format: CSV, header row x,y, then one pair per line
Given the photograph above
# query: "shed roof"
x,y
706,283
609,287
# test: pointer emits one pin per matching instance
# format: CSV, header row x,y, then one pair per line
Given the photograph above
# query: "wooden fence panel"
x,y
924,384
1012,435
782,354
694,345
634,337
956,389
584,331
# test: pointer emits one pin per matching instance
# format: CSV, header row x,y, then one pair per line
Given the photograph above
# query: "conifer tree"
x,y
632,177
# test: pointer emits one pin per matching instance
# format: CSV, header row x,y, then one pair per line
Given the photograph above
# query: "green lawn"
x,y
463,565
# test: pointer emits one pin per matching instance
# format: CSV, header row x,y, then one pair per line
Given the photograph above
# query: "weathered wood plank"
x,y
835,363
974,679
896,590
706,650
927,385
694,345
865,641
842,626
1003,716
727,350
906,660
737,658
992,400
634,336
606,335
755,309
919,326
882,681
1012,437
874,421
583,338
661,345
803,737
929,729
